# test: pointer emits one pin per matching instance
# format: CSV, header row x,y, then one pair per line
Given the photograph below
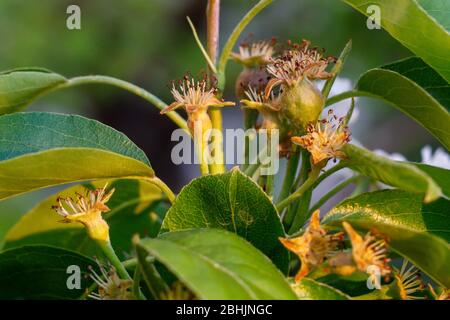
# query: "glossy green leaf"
x,y
398,174
419,232
217,264
421,26
41,272
20,87
233,202
136,208
309,289
42,149
415,89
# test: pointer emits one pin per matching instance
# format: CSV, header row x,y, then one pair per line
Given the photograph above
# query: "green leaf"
x,y
352,285
415,89
41,272
233,202
217,264
437,9
440,175
20,87
398,174
309,289
40,149
136,208
417,71
419,232
421,26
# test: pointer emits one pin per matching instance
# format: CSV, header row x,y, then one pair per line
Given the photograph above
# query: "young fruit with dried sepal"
x,y
295,71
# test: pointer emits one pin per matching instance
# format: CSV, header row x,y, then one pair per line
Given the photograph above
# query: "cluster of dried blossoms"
x,y
315,247
282,89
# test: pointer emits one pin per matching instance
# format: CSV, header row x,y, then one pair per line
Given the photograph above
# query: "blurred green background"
x,y
148,42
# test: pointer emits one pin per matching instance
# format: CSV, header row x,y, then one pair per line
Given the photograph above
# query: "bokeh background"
x,y
149,43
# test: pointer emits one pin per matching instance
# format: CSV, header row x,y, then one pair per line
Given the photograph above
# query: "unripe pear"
x,y
302,103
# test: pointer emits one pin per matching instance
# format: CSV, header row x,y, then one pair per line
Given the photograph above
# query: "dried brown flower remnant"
x,y
268,107
407,282
368,251
196,97
314,246
298,63
325,139
110,286
255,54
87,209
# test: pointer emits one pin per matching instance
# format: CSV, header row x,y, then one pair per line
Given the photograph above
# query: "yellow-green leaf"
x,y
41,149
20,87
398,174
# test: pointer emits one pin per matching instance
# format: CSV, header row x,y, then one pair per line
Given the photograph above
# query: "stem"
x,y
349,114
164,188
361,187
291,212
212,32
112,257
332,192
251,169
336,69
234,36
218,164
256,175
304,167
297,194
130,263
328,173
95,79
348,94
250,117
291,170
295,210
301,212
270,184
201,148
212,43
136,285
200,45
